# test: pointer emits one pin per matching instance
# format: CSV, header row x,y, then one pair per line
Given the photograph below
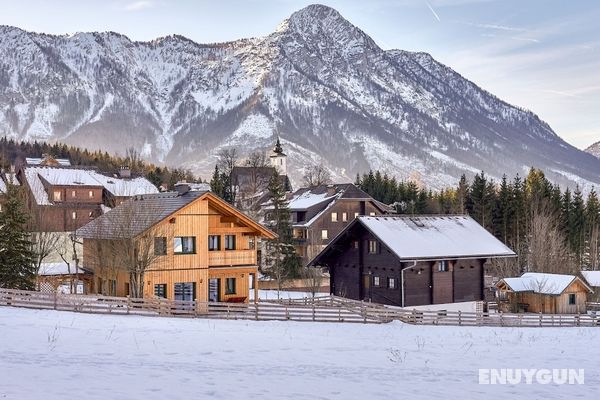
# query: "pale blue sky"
x,y
543,55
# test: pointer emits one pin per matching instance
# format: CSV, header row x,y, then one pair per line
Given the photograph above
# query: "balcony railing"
x,y
231,257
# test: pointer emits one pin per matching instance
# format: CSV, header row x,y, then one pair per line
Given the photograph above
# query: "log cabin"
x,y
410,260
543,293
192,245
320,213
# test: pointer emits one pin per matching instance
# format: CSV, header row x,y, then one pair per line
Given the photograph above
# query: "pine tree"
x,y
216,183
282,261
17,261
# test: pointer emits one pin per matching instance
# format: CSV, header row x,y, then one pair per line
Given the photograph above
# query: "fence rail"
x,y
318,309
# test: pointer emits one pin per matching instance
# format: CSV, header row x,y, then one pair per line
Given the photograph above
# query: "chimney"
x,y
125,172
182,188
330,190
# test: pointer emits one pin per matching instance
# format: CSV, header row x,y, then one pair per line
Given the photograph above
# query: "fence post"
x,y
227,310
577,320
313,312
256,309
540,319
459,318
128,303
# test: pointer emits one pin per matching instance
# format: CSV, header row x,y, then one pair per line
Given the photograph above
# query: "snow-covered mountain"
x,y
594,149
332,94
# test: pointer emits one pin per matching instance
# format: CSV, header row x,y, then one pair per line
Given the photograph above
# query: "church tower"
x,y
279,159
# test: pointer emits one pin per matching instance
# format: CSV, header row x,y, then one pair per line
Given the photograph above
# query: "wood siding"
x,y
199,219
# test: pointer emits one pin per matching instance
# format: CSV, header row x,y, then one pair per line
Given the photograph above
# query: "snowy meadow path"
x,y
63,355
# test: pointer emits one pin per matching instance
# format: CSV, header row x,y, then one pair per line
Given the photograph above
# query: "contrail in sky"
x,y
433,12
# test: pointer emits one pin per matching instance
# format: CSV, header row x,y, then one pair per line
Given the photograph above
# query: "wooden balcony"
x,y
231,257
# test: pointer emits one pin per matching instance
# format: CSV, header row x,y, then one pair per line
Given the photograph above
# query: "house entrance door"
x,y
214,289
366,286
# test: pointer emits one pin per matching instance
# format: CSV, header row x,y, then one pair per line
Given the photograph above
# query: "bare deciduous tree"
x,y
548,248
313,279
316,175
43,245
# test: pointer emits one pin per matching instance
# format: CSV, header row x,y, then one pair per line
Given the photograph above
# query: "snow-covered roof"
x,y
592,277
195,187
539,282
125,187
59,268
435,237
10,177
308,199
82,177
65,162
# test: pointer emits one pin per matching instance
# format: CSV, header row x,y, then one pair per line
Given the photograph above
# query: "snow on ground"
x,y
61,355
283,294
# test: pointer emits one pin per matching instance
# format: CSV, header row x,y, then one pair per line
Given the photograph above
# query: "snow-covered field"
x,y
61,355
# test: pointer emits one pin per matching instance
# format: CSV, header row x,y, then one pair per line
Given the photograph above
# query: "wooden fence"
x,y
261,311
318,309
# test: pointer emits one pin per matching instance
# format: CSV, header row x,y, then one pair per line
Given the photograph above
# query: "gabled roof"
x,y
592,277
61,176
542,283
413,238
140,213
59,268
65,162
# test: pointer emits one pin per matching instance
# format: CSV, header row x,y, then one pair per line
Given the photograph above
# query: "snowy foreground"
x,y
62,355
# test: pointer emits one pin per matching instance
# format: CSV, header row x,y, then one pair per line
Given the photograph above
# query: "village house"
x,y
251,181
192,245
543,293
410,260
592,278
62,198
319,214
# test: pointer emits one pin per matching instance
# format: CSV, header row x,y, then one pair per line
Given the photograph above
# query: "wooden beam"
x,y
233,219
237,229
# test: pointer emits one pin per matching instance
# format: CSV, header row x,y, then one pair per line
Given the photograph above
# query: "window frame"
x,y
334,216
324,234
226,246
74,215
218,248
164,290
391,283
163,246
443,266
193,250
57,195
230,289
574,297
344,217
376,281
373,246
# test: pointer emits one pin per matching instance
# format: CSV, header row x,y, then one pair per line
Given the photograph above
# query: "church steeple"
x,y
278,158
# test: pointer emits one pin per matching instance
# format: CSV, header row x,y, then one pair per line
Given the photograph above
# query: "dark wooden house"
x,y
319,214
410,260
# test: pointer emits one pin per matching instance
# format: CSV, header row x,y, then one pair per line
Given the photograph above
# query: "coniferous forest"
x,y
551,230
11,150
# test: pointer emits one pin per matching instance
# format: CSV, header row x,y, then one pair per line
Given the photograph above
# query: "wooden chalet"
x,y
410,260
62,198
319,214
201,247
543,293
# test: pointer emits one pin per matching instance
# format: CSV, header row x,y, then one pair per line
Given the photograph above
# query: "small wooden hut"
x,y
543,293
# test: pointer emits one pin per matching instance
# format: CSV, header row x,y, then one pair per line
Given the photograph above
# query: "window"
x,y
160,290
214,242
184,245
355,215
73,193
252,279
334,217
229,242
372,214
74,215
373,246
57,195
572,299
251,243
391,283
91,214
160,246
184,291
91,194
127,289
355,243
375,281
443,266
112,287
230,286
324,234
344,217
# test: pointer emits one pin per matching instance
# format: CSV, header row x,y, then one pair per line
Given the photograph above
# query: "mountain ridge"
x,y
318,81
